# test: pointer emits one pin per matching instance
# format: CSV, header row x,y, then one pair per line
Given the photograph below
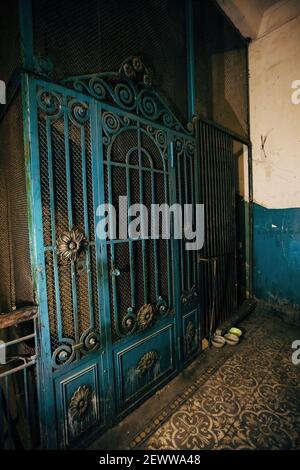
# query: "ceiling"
x,y
256,18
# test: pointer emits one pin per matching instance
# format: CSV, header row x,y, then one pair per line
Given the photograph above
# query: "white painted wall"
x,y
274,63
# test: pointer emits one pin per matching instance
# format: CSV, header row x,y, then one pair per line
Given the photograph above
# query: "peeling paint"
x,y
135,381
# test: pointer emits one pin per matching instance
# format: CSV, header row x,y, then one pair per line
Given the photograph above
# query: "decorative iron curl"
x,y
162,307
50,102
129,323
142,319
65,353
90,341
79,112
184,146
106,87
112,123
125,95
179,145
95,87
188,296
148,107
190,148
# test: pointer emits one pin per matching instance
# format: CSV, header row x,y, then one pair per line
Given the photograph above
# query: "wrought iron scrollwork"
x,y
147,362
79,111
185,146
65,353
159,136
90,341
188,296
146,316
112,123
131,90
54,104
50,103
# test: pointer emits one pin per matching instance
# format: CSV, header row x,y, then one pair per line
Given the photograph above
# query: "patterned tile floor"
x,y
252,401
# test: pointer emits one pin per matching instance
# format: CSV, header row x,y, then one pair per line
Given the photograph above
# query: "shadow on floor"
x,y
244,397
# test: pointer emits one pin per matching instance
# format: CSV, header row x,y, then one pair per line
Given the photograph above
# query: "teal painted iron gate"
x,y
117,318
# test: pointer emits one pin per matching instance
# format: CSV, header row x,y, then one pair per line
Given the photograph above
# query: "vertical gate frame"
x,y
32,168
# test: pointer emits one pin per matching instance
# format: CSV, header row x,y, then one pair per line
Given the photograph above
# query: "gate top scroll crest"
x,y
131,90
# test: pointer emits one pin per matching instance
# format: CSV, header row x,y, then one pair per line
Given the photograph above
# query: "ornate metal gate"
x,y
120,317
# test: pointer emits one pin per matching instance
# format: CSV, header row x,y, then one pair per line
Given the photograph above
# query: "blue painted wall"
x,y
277,258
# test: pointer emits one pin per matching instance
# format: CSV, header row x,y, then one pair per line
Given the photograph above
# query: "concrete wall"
x,y
274,61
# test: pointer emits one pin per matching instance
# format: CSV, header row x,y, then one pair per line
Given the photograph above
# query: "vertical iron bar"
x,y
8,415
86,225
203,277
190,59
180,201
250,220
185,201
152,173
130,242
223,235
26,33
53,228
112,245
193,175
169,244
227,242
208,224
141,185
70,219
27,414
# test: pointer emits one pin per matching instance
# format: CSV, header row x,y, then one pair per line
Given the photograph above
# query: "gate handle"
x,y
116,272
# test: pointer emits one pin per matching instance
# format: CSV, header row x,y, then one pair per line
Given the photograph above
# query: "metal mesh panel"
x,y
78,293
124,142
142,180
44,175
221,69
94,270
123,282
98,35
152,150
51,293
10,54
217,191
186,194
163,270
16,283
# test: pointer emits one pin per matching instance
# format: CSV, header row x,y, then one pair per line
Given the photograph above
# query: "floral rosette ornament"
x,y
71,244
146,362
80,402
146,316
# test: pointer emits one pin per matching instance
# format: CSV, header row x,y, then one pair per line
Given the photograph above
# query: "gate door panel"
x,y
136,164
119,316
187,193
65,263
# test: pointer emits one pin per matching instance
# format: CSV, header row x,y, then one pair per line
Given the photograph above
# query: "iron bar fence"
x,y
18,378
